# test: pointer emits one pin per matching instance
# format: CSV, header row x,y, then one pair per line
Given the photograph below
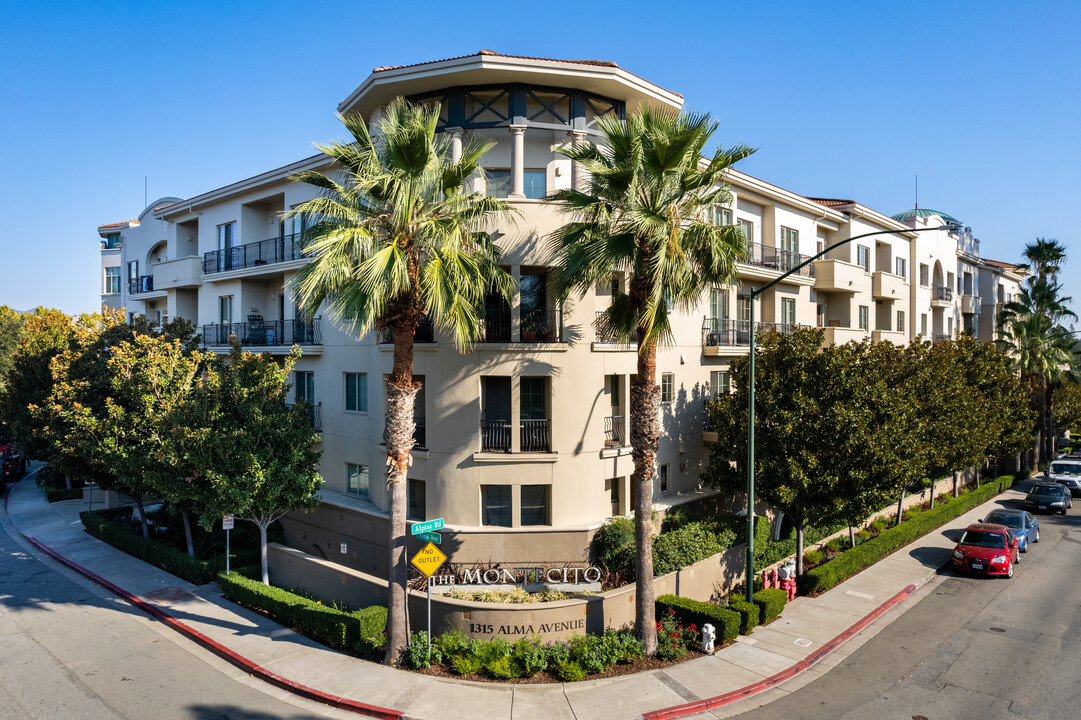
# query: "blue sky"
x,y
843,99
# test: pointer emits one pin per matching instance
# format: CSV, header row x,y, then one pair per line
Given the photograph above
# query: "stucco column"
x,y
517,162
578,174
455,135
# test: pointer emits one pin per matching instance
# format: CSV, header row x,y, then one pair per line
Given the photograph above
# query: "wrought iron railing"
x,y
420,436
538,325
314,413
767,256
536,436
723,332
942,292
940,337
613,431
497,324
495,435
264,252
605,334
264,334
141,284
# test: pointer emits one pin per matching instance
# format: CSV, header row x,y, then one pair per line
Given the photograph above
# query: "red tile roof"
x,y
831,202
118,224
492,53
1003,265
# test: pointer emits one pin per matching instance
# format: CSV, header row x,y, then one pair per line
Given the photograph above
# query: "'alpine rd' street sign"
x,y
429,526
428,559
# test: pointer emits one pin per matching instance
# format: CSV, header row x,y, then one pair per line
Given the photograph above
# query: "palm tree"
x,y
644,213
1044,257
397,237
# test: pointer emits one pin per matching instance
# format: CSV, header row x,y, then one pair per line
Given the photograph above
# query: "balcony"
x,y
771,258
613,431
420,435
274,333
495,436
140,285
941,296
839,276
496,323
836,335
315,415
183,272
887,286
539,325
893,336
256,254
536,436
970,304
724,333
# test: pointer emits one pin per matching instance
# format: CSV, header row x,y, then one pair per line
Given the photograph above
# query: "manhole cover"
x,y
997,630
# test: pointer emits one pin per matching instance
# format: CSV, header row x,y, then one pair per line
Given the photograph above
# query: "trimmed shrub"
x,y
466,664
687,545
726,622
770,603
749,613
54,494
570,671
557,653
173,561
814,557
619,647
331,626
584,652
531,655
847,564
504,668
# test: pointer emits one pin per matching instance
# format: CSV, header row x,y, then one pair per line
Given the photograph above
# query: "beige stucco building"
x,y
522,443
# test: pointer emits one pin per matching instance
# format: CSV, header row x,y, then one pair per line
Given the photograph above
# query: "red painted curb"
x,y
745,692
219,649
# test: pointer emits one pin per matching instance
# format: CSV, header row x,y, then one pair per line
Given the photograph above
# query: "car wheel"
x,y
1024,548
1009,571
1037,538
1017,561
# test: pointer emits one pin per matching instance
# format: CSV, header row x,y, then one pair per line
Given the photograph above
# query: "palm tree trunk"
x,y
1048,427
645,406
401,396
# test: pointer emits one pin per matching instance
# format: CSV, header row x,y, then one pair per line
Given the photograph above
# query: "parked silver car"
x,y
1066,472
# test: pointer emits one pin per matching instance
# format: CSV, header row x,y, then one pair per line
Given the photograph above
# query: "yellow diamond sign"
x,y
428,559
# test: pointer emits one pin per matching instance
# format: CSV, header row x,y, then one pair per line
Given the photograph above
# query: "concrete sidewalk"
x,y
805,641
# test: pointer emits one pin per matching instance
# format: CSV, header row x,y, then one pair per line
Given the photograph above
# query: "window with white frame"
x,y
133,270
356,392
925,274
112,281
747,228
719,215
789,240
225,309
864,317
357,480
863,257
226,236
901,266
304,386
900,321
788,311
719,383
668,387
923,324
662,478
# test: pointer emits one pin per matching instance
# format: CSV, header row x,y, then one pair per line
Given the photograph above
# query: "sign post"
x,y
227,525
429,559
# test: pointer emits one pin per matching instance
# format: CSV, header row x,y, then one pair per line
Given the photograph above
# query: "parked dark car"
x,y
1025,527
1048,497
987,549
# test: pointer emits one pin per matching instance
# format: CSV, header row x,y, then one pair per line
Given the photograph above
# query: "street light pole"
x,y
755,292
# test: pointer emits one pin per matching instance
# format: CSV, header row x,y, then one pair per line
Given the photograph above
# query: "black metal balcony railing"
x,y
942,292
767,256
264,252
420,436
497,324
495,435
538,325
536,436
141,284
604,332
722,332
425,332
613,431
940,337
315,415
264,334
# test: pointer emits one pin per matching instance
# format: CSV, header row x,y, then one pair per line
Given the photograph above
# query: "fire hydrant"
x,y
787,578
709,636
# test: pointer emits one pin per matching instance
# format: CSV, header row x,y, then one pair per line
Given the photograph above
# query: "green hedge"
x,y
748,614
53,494
850,562
173,561
329,625
771,603
725,622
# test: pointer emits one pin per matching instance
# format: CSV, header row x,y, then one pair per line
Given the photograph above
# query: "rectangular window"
x,y
533,399
417,499
498,182
356,392
226,236
300,224
133,270
668,387
719,383
614,286
357,480
225,309
719,215
788,311
925,273
863,257
613,383
535,184
112,281
112,241
747,228
900,321
535,504
789,240
901,267
662,478
496,505
304,386
718,303
923,324
864,315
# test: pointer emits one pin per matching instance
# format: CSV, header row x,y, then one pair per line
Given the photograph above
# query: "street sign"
x,y
431,537
227,522
428,559
429,526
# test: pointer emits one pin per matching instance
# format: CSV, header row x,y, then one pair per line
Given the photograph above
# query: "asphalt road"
x,y
972,648
69,650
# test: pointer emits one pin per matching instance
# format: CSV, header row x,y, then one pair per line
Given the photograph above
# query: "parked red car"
x,y
987,549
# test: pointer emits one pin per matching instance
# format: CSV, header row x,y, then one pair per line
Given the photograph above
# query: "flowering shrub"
x,y
672,637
